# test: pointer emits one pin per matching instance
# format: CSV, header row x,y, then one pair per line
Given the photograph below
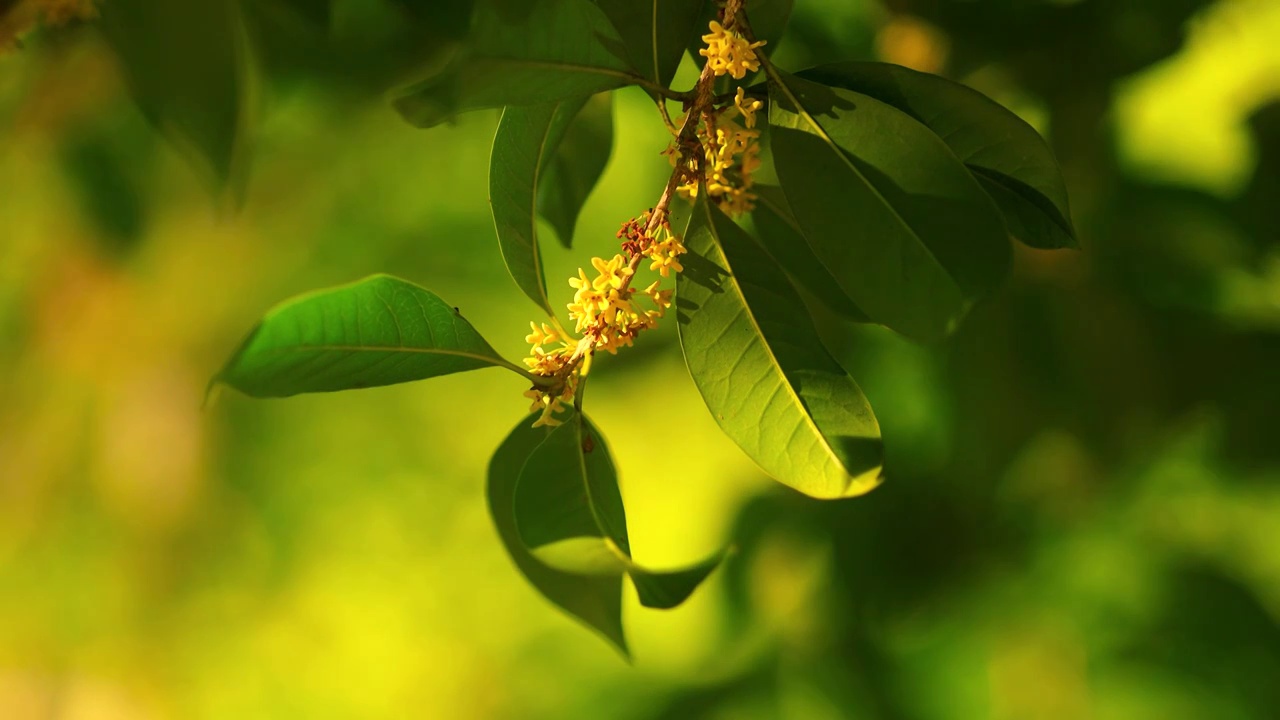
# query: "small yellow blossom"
x,y
664,255
747,107
612,273
542,336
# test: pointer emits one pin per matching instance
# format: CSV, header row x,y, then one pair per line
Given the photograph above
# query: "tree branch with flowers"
x,y
895,199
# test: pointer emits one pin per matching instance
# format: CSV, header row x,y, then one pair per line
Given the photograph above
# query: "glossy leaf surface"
x,y
571,172
1014,164
562,49
762,369
378,331
897,220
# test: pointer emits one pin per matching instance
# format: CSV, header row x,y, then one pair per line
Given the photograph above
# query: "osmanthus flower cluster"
x,y
605,313
730,149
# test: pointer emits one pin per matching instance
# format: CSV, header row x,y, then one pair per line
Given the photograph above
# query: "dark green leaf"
x,y
655,32
757,360
563,49
526,136
569,489
570,174
378,331
569,514
185,66
768,20
782,238
1010,159
668,589
899,222
594,599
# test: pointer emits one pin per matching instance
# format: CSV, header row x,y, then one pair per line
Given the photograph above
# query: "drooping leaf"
x,y
569,514
783,239
572,171
897,220
1014,164
377,331
526,136
655,32
569,489
562,49
756,358
186,69
595,599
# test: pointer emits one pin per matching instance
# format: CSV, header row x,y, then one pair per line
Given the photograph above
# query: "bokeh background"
x,y
1082,512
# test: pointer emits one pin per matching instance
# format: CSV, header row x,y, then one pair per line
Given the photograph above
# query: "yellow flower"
x,y
748,108
612,273
542,336
663,254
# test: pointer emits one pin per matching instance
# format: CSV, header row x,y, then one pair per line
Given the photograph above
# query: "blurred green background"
x,y
1082,512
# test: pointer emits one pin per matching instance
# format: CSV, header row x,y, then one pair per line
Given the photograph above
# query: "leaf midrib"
x,y
631,77
808,420
822,133
490,359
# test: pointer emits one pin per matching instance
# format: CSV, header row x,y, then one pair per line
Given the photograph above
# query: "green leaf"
x,y
594,599
1014,164
571,173
769,20
377,331
563,49
569,489
655,32
756,358
526,136
897,220
783,239
186,68
569,514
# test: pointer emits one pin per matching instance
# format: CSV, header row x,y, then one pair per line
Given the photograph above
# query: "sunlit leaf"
x,y
593,598
572,171
762,370
185,66
655,32
378,331
897,220
562,49
1013,163
569,514
783,239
